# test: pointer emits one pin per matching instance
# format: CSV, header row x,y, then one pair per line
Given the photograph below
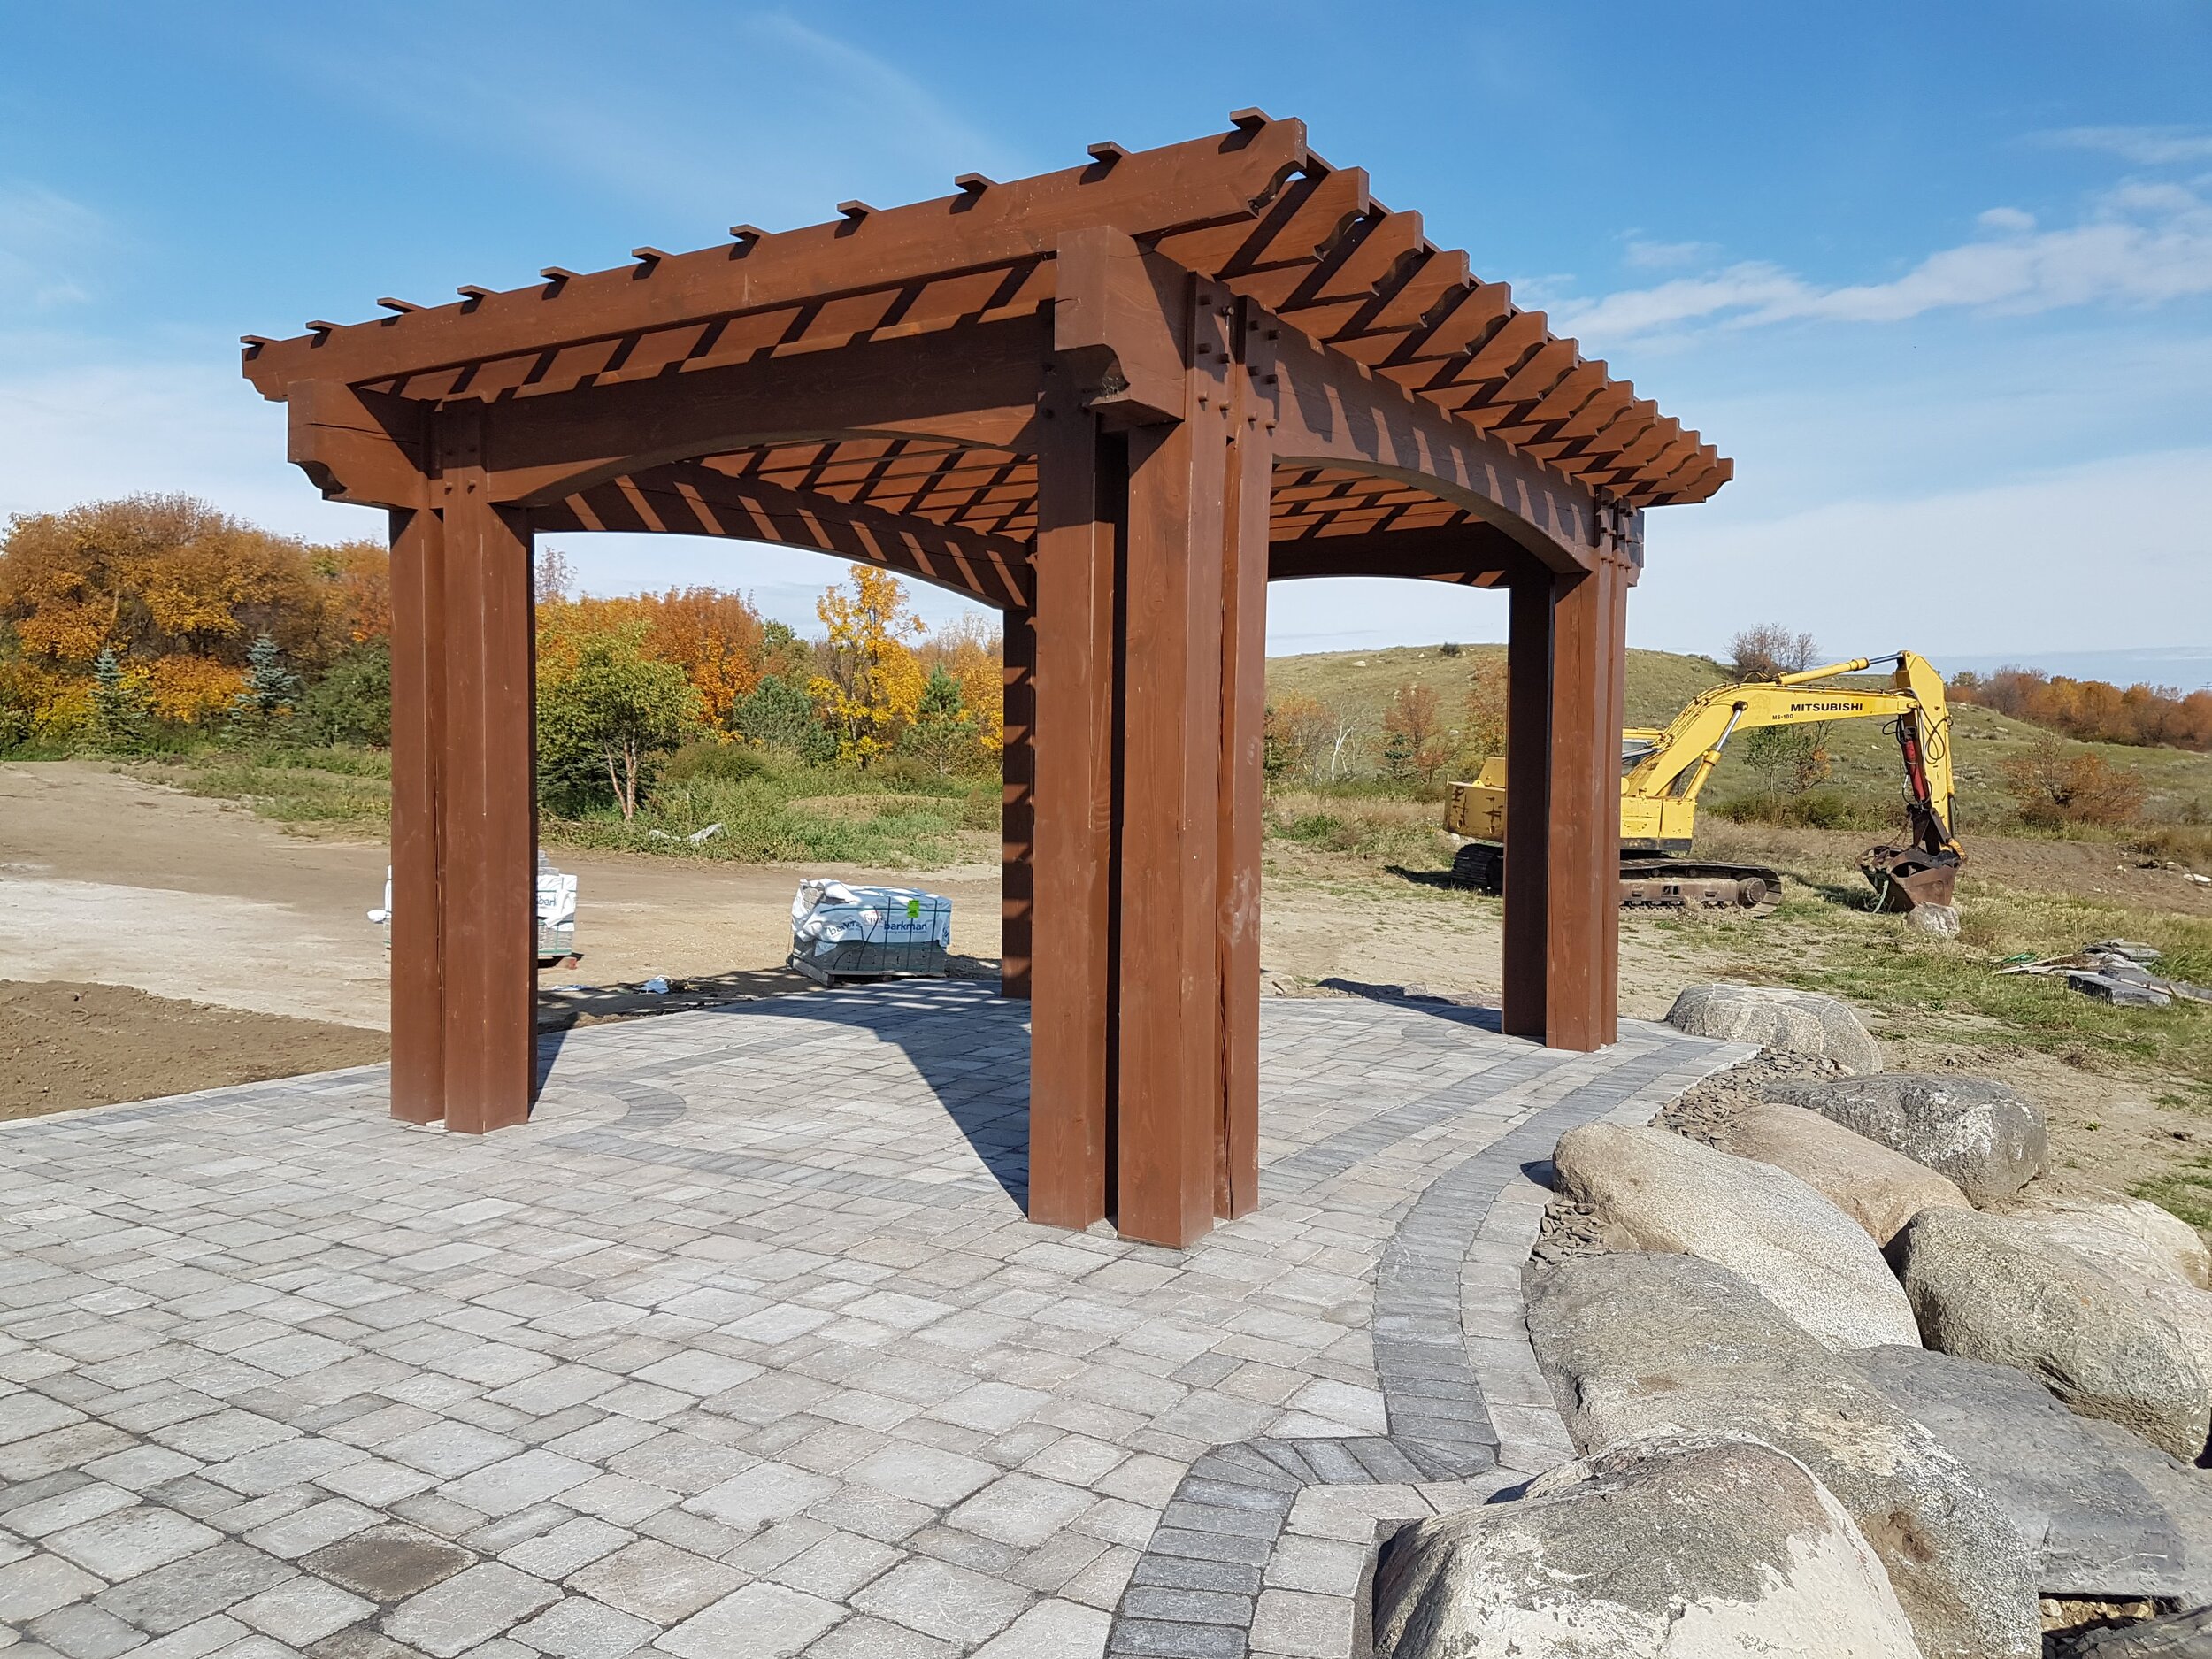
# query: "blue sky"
x,y
1938,278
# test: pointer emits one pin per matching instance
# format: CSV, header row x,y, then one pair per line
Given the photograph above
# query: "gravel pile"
x,y
1702,1112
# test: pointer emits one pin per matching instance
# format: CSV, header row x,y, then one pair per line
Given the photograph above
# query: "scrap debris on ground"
x,y
2115,970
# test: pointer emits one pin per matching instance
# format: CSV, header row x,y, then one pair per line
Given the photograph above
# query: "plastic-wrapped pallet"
x,y
840,931
556,904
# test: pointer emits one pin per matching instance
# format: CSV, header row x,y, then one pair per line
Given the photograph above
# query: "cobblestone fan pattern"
x,y
742,1349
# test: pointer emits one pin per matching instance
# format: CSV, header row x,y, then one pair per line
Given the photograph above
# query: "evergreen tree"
x,y
122,709
776,714
271,691
943,732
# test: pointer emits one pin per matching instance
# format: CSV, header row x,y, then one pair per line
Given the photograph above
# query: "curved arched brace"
x,y
687,499
1331,412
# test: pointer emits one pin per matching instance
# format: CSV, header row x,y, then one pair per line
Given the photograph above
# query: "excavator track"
x,y
1648,883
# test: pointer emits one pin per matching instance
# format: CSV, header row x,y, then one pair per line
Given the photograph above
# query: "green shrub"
x,y
352,703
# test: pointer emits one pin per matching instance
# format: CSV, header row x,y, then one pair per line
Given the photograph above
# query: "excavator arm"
x,y
1663,770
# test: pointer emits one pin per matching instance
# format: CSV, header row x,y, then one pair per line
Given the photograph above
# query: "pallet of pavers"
x,y
840,931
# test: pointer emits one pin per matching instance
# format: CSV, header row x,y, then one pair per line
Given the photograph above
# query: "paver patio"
x,y
742,1347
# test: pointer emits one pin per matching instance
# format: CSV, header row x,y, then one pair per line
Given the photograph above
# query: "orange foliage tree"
x,y
179,591
2095,710
875,682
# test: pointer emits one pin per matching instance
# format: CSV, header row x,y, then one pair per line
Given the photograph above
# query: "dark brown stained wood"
x,y
1168,1005
1397,435
489,830
978,386
1204,181
685,498
1613,657
1528,805
1071,995
1112,403
1244,578
418,747
1017,781
1582,904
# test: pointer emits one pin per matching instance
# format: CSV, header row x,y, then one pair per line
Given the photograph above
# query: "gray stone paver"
x,y
742,1345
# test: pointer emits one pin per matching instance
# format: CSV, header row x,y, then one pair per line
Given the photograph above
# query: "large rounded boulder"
x,y
1987,1288
2105,1516
1666,1547
1985,1137
2122,1235
1879,1189
1650,1190
1790,1022
1637,1344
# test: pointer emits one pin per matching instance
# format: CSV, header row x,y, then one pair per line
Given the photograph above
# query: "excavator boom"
x,y
1665,771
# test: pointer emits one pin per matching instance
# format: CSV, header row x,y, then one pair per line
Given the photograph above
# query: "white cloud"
x,y
45,240
2070,558
2145,146
1665,256
2141,244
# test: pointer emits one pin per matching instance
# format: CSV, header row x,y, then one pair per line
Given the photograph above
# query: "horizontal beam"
x,y
1459,552
1331,412
1221,179
976,386
689,499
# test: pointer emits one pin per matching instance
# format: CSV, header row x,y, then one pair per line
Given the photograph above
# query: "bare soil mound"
x,y
65,1045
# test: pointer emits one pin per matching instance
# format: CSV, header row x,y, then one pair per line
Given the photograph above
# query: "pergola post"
x,y
1245,497
1566,655
1070,983
463,799
1018,779
418,740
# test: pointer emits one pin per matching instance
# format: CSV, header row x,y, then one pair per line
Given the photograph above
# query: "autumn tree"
x,y
1412,731
1770,651
715,637
2053,785
1485,711
974,655
874,684
1301,730
606,705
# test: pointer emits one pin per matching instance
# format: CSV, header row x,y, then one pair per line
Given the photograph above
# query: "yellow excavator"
x,y
1662,773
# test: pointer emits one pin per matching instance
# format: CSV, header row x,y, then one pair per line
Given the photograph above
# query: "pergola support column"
x,y
1567,651
464,800
1017,818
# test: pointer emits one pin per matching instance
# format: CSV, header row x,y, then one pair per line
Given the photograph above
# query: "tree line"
x,y
160,622
2095,710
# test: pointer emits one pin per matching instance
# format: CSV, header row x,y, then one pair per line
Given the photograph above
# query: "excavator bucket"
x,y
1907,877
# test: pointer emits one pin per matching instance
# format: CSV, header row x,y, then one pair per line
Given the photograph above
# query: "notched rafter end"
x,y
1249,121
558,274
253,343
473,292
855,211
1106,153
746,235
400,306
648,256
321,329
973,183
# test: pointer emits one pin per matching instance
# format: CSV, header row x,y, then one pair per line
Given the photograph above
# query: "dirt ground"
x,y
63,1046
255,957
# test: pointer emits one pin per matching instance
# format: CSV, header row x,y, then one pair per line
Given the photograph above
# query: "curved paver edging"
x,y
1195,1591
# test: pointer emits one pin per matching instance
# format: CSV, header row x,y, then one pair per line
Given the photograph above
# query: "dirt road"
x,y
107,880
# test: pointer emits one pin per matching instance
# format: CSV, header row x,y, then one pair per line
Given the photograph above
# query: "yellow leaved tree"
x,y
875,681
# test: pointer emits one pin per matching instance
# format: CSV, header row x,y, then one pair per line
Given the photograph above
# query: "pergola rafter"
x,y
1112,403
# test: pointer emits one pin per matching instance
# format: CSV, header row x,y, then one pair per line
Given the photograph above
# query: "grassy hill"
x,y
1866,768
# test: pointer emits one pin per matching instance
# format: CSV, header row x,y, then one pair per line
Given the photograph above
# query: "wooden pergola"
x,y
1114,402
